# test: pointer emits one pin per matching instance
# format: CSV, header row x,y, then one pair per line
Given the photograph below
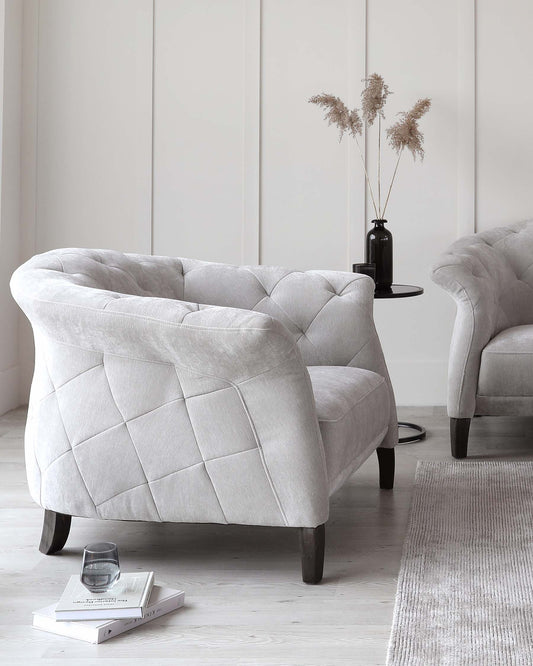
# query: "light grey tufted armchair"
x,y
490,276
148,406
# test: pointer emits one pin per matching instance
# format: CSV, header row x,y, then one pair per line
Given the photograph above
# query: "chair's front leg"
x,y
386,460
56,527
312,543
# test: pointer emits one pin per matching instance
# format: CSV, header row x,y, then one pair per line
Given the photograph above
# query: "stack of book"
x,y
134,600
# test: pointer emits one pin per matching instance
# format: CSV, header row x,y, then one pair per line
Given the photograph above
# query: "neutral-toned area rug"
x,y
465,589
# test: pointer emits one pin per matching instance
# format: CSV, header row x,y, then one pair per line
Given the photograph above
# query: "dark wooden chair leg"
x,y
56,527
459,429
312,542
386,468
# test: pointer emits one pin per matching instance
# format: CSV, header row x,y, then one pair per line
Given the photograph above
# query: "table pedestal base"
x,y
421,433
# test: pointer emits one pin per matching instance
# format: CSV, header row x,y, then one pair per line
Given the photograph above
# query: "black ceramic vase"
x,y
379,252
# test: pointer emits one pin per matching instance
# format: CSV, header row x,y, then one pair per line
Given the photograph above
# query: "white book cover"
x,y
162,600
126,599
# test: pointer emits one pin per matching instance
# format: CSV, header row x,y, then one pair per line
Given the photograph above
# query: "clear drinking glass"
x,y
100,569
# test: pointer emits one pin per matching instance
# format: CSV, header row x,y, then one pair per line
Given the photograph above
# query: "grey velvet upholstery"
x,y
490,277
172,389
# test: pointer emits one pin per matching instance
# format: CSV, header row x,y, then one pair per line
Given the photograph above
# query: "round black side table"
x,y
404,291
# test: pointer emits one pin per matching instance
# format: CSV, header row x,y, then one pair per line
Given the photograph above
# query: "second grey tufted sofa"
x,y
178,390
490,277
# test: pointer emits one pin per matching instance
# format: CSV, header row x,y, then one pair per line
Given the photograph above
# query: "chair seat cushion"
x,y
507,364
353,409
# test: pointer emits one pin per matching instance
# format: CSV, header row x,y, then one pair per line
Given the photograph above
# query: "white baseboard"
x,y
9,389
420,382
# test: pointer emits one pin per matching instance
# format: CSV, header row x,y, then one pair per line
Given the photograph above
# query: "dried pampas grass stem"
x,y
337,113
373,99
367,178
406,134
392,181
379,167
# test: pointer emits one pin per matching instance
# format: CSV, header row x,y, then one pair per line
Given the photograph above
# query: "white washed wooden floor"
x,y
245,604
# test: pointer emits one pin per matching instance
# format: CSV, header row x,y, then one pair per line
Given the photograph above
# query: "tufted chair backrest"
x,y
500,264
312,298
132,274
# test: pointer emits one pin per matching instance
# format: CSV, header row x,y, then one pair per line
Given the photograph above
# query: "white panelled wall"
x,y
182,127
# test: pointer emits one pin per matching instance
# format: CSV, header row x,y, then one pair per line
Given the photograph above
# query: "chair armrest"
x,y
474,274
157,329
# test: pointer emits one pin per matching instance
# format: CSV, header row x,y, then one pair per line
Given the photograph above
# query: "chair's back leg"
x,y
459,429
386,460
312,543
56,527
